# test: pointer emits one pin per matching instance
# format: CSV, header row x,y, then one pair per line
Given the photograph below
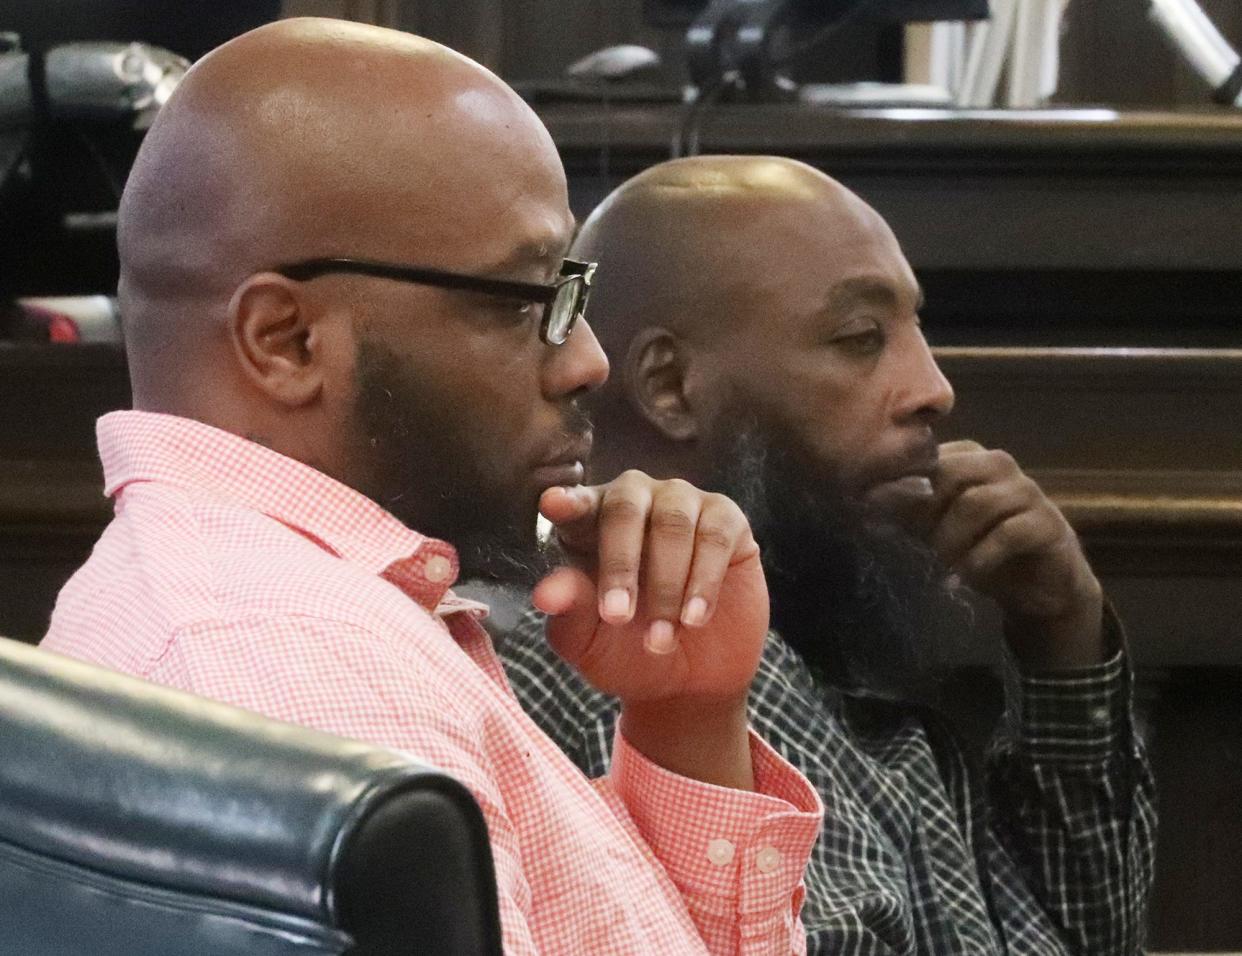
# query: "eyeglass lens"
x,y
562,311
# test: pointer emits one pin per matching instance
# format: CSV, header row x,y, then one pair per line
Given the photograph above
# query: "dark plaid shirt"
x,y
1048,850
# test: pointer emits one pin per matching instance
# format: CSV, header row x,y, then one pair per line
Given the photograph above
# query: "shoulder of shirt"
x,y
251,565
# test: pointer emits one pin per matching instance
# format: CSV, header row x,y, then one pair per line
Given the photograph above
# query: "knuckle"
x,y
631,476
714,536
674,522
620,508
1010,533
680,486
1032,491
617,566
974,499
725,509
1002,460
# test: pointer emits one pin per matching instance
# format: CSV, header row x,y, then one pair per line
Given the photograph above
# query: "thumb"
x,y
569,598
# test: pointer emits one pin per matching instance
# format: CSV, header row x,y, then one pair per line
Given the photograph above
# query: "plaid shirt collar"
x,y
137,446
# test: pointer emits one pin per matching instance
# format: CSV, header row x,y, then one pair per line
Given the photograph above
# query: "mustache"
x,y
574,434
919,457
576,422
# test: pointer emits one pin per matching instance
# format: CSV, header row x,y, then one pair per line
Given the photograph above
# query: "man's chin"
x,y
513,560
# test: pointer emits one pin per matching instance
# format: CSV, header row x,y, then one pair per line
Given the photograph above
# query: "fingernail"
x,y
617,603
922,487
694,613
661,638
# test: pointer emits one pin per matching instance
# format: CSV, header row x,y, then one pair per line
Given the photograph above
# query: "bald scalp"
x,y
677,242
298,139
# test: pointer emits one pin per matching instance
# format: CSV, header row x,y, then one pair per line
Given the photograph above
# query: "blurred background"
x,y
1065,178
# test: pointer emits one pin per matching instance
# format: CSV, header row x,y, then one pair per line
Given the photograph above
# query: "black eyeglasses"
x,y
565,299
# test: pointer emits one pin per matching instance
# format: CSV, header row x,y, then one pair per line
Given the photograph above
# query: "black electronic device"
x,y
79,82
680,13
750,46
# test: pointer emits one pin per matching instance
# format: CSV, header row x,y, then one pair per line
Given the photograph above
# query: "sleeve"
x,y
1073,801
736,857
339,688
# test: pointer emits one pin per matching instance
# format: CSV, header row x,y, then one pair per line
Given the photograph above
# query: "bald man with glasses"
x,y
358,357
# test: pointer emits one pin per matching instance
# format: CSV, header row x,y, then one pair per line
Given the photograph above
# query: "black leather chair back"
x,y
139,820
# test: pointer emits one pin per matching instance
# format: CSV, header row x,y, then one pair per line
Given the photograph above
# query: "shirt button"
x,y
720,852
1099,714
437,569
768,859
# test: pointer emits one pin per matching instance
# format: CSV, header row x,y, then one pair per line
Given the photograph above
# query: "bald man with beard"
x,y
763,328
358,359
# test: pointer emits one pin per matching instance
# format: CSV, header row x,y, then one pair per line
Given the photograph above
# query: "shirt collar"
x,y
137,446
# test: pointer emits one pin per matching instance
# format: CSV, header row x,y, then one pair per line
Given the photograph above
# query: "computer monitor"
x,y
680,13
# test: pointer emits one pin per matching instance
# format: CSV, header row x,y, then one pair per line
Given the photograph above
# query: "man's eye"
x,y
519,310
868,342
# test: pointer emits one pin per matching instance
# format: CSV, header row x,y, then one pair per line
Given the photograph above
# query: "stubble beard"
x,y
421,471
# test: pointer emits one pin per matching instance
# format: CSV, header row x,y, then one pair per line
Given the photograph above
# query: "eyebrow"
x,y
868,290
548,249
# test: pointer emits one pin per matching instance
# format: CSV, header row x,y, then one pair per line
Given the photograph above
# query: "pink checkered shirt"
x,y
234,572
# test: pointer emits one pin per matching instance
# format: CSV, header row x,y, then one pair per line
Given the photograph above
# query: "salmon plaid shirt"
x,y
239,574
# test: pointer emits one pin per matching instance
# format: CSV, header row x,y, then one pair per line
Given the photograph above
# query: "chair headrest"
x,y
101,769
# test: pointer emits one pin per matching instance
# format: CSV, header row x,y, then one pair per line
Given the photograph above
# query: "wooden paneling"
x,y
52,507
1026,228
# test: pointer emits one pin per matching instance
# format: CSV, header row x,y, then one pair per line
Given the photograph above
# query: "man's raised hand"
x,y
665,599
994,526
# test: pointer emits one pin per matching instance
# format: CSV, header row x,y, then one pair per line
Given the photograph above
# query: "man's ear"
x,y
656,364
276,339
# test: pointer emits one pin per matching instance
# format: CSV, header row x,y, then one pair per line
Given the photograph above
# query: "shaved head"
x,y
684,240
302,138
747,263
314,139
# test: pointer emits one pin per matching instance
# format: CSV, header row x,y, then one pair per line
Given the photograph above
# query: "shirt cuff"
x,y
736,851
1080,716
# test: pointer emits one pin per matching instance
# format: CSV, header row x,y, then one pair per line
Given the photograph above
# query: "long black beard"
x,y
869,608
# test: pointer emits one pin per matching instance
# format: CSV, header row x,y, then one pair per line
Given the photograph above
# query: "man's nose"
x,y
578,365
928,394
